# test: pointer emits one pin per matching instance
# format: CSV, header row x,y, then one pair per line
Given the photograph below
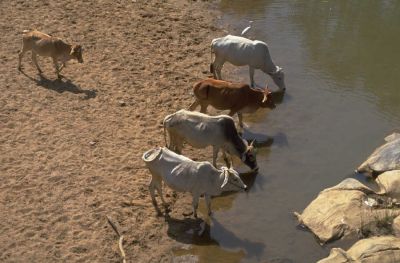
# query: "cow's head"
x,y
76,52
249,156
268,100
232,181
278,77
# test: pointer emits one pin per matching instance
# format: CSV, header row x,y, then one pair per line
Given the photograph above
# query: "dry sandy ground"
x,y
71,149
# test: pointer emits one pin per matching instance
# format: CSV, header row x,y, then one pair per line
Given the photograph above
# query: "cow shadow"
x,y
199,232
278,96
61,85
260,140
248,179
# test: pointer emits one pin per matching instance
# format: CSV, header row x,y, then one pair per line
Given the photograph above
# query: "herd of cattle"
x,y
194,128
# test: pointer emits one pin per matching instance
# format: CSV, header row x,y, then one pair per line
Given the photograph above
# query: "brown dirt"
x,y
71,149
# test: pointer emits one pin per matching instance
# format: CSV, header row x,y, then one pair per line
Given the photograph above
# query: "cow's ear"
x,y
226,173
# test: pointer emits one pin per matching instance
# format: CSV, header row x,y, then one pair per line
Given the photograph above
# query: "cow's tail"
x,y
211,59
165,134
167,119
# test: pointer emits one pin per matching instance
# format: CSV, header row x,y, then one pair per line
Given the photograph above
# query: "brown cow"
x,y
48,46
236,97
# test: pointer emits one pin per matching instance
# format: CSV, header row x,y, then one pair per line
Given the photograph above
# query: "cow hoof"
x,y
159,213
167,209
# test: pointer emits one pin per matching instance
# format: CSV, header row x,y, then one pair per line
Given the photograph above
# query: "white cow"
x,y
184,175
241,51
201,130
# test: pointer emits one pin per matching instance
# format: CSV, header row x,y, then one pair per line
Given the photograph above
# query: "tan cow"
x,y
235,97
48,46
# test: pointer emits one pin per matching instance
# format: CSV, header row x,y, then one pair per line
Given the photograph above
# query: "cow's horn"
x,y
264,99
225,172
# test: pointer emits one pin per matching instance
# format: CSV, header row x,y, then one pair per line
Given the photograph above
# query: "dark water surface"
x,y
342,66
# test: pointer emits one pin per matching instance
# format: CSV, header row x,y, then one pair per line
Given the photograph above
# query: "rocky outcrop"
x,y
385,158
345,209
384,249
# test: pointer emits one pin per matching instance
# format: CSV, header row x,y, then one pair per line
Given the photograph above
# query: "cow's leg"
x,y
179,145
20,56
215,155
233,112
175,143
227,160
152,188
62,67
194,105
218,64
203,108
34,59
195,204
240,116
55,63
208,203
159,190
251,72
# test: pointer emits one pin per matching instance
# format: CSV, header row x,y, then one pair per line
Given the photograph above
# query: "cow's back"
x,y
45,45
179,172
197,129
220,94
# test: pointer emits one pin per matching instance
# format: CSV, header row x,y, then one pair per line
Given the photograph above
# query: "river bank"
x,y
71,149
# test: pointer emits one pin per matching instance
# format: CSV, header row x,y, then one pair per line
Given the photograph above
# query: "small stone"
x,y
92,143
121,103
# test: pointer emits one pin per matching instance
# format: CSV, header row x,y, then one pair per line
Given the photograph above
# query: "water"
x,y
342,69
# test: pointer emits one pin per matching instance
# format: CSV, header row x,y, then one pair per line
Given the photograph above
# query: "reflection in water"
x,y
198,232
356,43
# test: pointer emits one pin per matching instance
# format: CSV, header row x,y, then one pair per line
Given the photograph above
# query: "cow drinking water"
x,y
241,51
235,97
184,175
201,130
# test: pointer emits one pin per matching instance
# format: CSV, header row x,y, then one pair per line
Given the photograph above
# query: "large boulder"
x,y
343,210
389,183
385,249
385,158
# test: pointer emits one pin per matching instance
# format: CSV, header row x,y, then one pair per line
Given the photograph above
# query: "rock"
x,y
343,210
396,226
385,158
121,103
385,249
186,259
389,183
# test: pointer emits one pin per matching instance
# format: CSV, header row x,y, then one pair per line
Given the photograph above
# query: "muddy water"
x,y
342,68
